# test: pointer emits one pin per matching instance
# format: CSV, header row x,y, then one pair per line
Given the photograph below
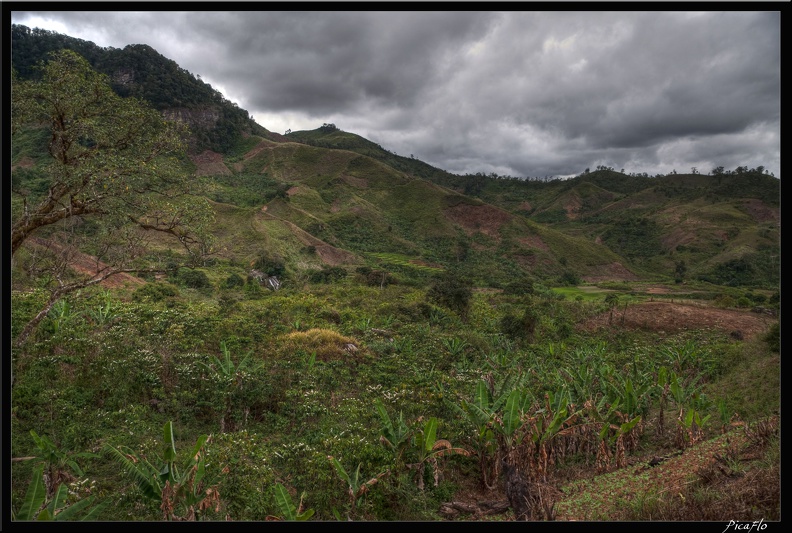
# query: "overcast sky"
x,y
518,93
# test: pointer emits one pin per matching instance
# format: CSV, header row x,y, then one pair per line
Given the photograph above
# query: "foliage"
x,y
193,278
451,291
113,161
290,511
773,337
270,263
328,275
36,506
185,492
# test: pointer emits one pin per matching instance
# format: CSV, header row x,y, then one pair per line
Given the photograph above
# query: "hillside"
x,y
348,193
310,327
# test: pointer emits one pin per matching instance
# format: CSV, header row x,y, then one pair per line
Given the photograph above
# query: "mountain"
x,y
139,70
328,198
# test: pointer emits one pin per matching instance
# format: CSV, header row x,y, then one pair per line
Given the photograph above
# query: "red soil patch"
x,y
263,145
360,183
759,211
669,317
533,241
485,219
210,163
25,162
335,256
572,207
610,272
90,266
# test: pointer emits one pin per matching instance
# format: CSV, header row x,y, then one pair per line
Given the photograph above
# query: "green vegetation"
x,y
422,351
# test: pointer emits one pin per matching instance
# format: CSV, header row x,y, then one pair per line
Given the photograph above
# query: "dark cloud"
x,y
518,93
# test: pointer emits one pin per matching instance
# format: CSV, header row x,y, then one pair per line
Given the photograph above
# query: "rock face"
x,y
124,76
204,118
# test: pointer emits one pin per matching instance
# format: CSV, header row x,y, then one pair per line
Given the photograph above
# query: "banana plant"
x,y
187,487
582,379
691,404
57,463
105,312
480,413
662,388
36,507
455,346
231,376
291,512
395,433
356,488
554,420
429,449
59,316
615,427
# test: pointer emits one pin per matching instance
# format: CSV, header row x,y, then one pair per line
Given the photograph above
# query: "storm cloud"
x,y
546,93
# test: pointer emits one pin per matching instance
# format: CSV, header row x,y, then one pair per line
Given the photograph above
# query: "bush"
x,y
452,292
569,278
375,278
155,292
773,338
520,327
232,281
519,287
270,264
327,275
325,343
744,302
194,279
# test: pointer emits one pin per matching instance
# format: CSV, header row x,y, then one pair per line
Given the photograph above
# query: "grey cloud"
x,y
520,93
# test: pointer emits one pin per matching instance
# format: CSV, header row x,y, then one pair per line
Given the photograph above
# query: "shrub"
x,y
270,264
773,338
234,280
569,278
744,302
194,279
452,292
520,327
155,292
328,275
519,287
375,278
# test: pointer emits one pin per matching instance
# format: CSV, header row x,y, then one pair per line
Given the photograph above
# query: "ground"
x,y
670,317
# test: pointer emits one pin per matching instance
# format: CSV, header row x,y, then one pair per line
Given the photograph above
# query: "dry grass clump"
x,y
327,344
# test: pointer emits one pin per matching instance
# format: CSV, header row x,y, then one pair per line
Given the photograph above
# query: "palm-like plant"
x,y
356,487
57,464
395,433
428,449
36,507
290,511
231,376
186,488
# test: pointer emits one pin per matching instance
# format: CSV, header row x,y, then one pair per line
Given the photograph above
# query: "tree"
x,y
679,271
451,291
116,175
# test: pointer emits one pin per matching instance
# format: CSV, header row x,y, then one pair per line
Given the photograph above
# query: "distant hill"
x,y
327,197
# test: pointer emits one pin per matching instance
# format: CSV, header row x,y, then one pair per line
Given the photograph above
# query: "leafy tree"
x,y
451,291
116,176
680,271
